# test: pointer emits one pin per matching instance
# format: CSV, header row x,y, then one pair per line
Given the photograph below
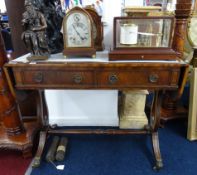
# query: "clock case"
x,y
137,51
96,18
78,51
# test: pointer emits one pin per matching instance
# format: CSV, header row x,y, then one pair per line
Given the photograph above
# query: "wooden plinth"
x,y
22,142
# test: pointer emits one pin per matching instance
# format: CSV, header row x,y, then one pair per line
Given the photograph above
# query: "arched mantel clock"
x,y
78,33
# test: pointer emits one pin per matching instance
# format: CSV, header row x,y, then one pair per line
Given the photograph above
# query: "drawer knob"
x,y
113,79
77,79
38,77
153,78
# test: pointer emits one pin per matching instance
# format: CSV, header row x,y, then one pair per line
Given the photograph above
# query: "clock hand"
x,y
82,38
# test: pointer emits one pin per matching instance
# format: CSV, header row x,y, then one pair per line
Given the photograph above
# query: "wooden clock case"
x,y
98,41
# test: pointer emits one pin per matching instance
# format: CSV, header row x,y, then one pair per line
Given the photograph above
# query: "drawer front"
x,y
57,78
136,78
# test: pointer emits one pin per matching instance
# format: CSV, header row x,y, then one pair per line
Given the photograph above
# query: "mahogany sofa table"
x,y
154,75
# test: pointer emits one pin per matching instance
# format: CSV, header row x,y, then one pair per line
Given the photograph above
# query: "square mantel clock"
x,y
143,38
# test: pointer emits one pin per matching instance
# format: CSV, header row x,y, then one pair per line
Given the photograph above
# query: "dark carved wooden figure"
x,y
52,11
34,35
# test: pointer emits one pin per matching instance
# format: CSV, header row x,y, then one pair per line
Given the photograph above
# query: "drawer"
x,y
138,78
57,78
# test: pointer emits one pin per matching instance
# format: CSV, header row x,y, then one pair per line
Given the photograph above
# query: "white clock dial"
x,y
78,30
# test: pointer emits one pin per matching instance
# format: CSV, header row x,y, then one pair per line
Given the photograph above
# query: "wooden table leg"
x,y
42,140
43,112
155,123
156,150
43,119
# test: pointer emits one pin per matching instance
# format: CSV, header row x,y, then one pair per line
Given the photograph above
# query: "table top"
x,y
97,73
101,57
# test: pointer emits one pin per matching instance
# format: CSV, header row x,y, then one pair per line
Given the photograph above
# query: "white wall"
x,y
82,107
2,6
134,3
111,9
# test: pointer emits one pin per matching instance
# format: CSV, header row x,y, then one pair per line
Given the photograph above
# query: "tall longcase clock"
x,y
97,28
78,33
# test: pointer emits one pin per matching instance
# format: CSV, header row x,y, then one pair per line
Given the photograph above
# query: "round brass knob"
x,y
38,77
113,79
77,79
153,78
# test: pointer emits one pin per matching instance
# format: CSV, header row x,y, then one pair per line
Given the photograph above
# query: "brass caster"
x,y
36,162
93,56
53,126
147,128
158,166
65,56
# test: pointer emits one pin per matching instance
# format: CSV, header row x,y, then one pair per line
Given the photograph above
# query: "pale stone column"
x,y
132,115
